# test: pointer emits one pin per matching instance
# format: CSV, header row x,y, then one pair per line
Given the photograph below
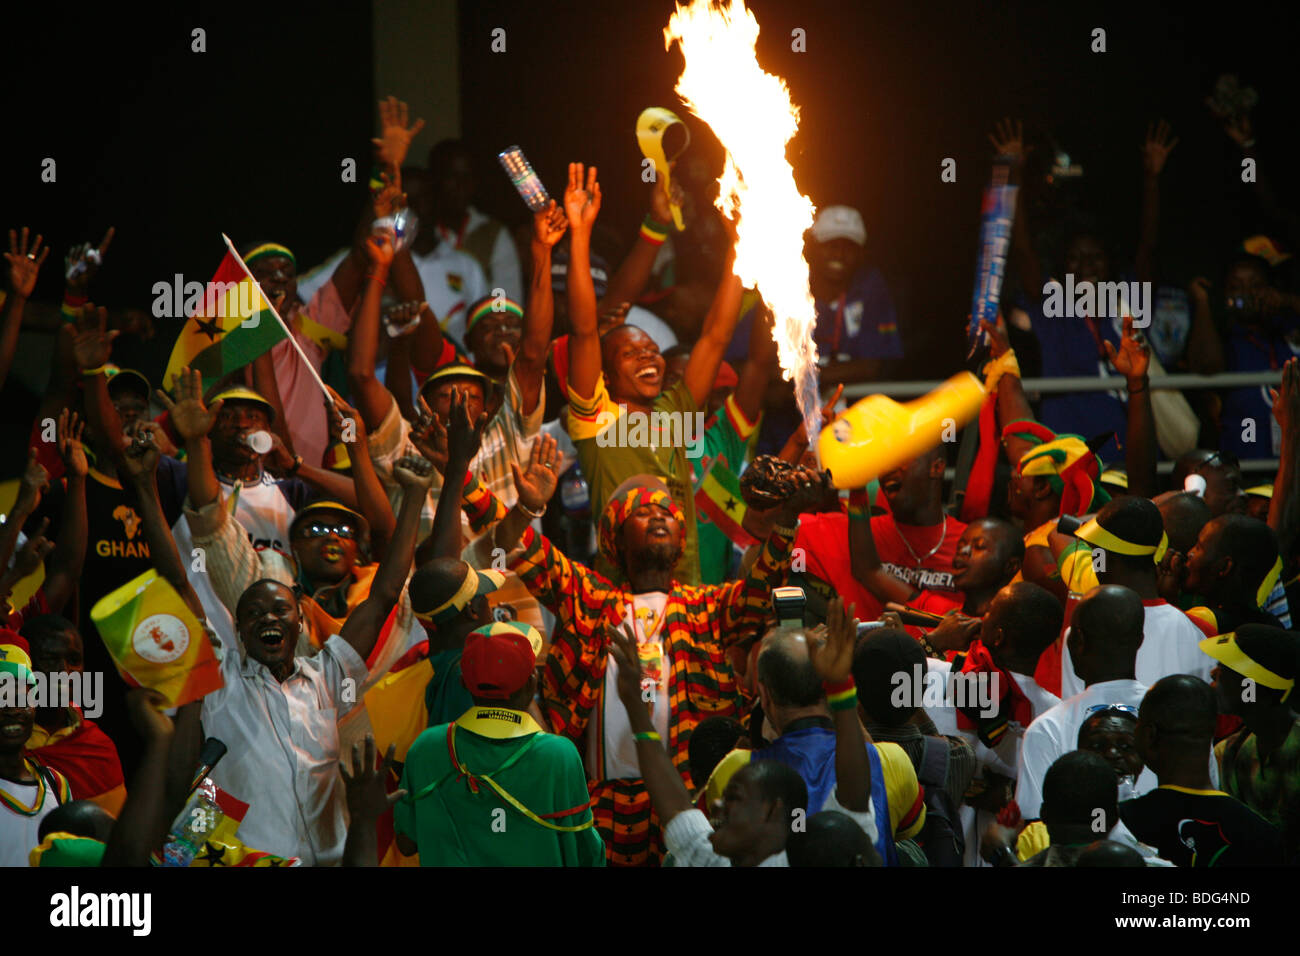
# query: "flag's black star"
x,y
209,328
731,503
213,854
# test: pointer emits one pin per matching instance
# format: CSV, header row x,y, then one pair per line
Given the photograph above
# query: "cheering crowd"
x,y
476,590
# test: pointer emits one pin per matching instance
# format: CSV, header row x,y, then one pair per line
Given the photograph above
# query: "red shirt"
x,y
824,539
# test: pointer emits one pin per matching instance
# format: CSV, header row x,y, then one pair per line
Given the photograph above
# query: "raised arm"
x,y
64,565
582,204
535,485
368,800
142,825
463,441
539,314
92,347
832,657
1132,360
1155,151
33,484
372,399
719,324
1013,404
361,630
756,373
138,468
193,420
1008,140
1284,511
1204,344
24,264
346,426
629,280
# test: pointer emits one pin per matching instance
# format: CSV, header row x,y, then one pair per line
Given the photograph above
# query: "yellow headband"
x,y
1266,586
1093,533
1226,650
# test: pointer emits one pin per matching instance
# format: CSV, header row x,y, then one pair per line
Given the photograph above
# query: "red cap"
x,y
498,659
726,377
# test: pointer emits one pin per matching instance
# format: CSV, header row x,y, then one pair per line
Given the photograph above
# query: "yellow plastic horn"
x,y
878,433
651,126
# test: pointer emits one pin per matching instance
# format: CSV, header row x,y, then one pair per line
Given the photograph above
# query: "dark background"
x,y
174,147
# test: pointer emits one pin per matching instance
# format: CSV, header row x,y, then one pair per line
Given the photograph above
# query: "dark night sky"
x,y
174,147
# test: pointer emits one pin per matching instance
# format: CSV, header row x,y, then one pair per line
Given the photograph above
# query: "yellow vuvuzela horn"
x,y
652,128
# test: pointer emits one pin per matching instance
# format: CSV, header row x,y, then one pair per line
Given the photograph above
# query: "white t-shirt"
x,y
1170,645
645,612
19,834
453,281
1056,733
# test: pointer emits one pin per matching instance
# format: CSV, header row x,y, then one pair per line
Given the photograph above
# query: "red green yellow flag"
x,y
229,327
155,641
718,496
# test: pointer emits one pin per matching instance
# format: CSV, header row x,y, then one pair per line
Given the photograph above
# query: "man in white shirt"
x,y
1106,633
763,799
1127,541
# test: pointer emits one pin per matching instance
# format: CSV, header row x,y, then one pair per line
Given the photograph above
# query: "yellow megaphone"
x,y
653,126
878,433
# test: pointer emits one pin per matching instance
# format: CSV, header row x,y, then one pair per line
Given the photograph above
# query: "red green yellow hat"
x,y
499,658
16,656
487,306
268,250
473,584
1066,461
67,849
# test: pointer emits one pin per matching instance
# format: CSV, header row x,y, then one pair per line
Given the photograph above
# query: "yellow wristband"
x,y
92,372
1004,364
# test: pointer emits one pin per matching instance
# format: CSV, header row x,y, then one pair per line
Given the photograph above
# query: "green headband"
x,y
267,250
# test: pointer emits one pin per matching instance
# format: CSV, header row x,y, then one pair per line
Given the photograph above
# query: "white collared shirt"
x,y
283,748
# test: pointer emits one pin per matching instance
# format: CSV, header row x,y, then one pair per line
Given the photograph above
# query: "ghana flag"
x,y
229,325
718,496
155,640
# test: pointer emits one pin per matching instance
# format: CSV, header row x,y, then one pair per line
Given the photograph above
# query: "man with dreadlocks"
x,y
683,632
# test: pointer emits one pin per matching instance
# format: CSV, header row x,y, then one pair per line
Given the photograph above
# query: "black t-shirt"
x,y
1202,828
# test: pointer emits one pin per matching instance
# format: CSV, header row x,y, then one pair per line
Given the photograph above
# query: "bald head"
x,y
1105,633
786,670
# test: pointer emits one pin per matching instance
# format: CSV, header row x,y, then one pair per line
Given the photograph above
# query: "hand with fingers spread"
x,y
413,473
1286,397
24,263
1157,147
582,202
549,224
396,132
429,436
344,421
366,784
191,418
31,556
1133,357
92,345
1008,138
68,433
536,483
83,261
832,654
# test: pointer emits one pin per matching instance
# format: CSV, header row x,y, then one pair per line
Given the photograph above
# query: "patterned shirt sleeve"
x,y
744,604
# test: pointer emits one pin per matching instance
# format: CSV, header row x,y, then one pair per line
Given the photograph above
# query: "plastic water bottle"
x,y
192,828
527,182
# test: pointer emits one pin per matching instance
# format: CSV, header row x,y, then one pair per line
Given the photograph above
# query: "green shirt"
x,y
611,451
726,435
1271,788
454,826
446,697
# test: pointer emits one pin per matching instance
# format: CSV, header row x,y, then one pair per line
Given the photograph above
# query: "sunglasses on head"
x,y
320,530
1105,708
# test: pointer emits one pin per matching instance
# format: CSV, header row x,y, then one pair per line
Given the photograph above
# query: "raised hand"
x,y
140,459
622,647
832,654
536,483
396,132
1134,355
999,341
379,249
366,785
1198,290
1157,147
390,198
403,318
145,708
463,436
35,481
1286,397
83,261
582,203
31,556
955,632
92,345
549,224
345,422
68,431
413,473
1008,138
189,416
429,436
24,263
660,204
